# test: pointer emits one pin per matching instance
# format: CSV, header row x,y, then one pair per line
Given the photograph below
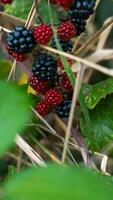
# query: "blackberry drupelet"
x,y
45,67
80,25
63,109
20,40
80,12
66,45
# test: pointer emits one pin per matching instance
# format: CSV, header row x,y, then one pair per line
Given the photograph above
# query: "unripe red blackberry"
x,y
43,34
64,3
6,1
53,97
53,1
39,86
66,30
65,83
43,108
18,56
61,65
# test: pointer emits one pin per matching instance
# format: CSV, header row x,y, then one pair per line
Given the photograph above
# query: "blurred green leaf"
x,y
58,182
11,172
5,67
13,113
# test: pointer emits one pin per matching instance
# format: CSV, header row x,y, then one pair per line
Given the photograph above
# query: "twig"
x,y
29,151
85,47
74,102
16,158
19,162
38,14
81,60
12,70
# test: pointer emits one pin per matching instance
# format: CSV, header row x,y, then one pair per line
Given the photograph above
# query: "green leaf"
x,y
11,172
86,114
58,182
19,8
44,12
13,113
100,131
98,92
5,67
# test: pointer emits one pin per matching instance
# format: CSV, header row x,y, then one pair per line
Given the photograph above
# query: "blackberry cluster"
x,y
63,109
80,12
20,40
66,45
43,81
45,67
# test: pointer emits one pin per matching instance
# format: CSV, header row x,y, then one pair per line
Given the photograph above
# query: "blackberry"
x,y
80,12
45,67
66,45
80,25
20,40
63,109
82,9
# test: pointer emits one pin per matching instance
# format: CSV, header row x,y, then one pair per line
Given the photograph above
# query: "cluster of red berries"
x,y
49,78
63,3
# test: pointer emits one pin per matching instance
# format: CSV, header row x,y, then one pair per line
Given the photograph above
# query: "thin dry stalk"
x,y
44,121
71,116
13,156
12,70
101,55
93,39
104,35
19,162
81,60
29,151
104,165
30,15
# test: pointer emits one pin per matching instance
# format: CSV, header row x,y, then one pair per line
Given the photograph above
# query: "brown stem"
x,y
36,2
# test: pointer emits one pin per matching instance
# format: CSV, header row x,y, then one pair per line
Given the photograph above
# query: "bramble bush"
x,y
56,97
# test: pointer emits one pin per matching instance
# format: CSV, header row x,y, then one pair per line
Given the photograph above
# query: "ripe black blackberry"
x,y
66,45
80,25
63,109
45,67
20,40
80,12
